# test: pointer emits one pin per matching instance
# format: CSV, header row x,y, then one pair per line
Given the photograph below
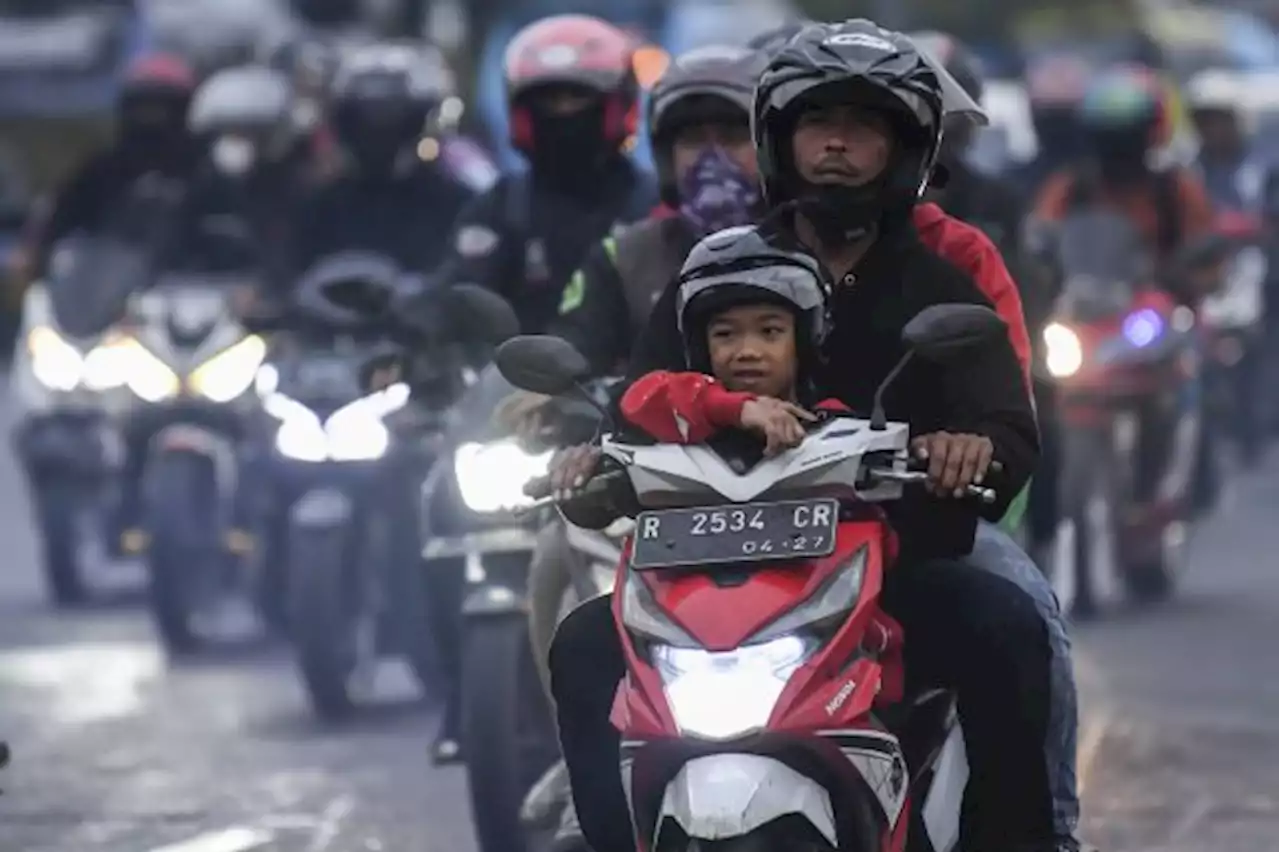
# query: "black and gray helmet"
x,y
856,62
738,266
709,84
772,41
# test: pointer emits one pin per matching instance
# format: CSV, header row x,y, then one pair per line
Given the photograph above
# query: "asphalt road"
x,y
116,750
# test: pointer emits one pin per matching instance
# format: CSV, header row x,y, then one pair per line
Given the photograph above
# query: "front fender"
x,y
727,795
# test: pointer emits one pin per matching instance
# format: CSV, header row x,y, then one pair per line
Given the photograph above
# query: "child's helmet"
x,y
738,266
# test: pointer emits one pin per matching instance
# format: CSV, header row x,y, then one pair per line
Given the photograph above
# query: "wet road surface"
x,y
117,750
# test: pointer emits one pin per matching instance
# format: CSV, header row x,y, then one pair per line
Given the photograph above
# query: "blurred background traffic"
x,y
122,742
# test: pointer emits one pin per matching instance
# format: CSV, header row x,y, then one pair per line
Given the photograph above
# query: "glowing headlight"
x,y
353,433
231,372
145,374
1064,355
59,366
491,477
722,695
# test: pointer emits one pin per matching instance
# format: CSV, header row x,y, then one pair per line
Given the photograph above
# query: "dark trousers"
x,y
977,631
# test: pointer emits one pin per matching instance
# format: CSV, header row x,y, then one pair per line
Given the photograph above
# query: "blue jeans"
x,y
996,553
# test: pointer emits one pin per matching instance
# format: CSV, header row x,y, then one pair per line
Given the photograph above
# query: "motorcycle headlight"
x,y
1064,353
231,372
353,433
492,477
147,376
301,434
719,695
57,364
60,366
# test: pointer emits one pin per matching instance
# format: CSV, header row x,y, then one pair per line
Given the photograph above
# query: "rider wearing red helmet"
x,y
574,103
573,100
152,137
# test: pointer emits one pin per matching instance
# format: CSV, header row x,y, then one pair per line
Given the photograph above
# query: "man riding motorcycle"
x,y
152,119
153,140
1212,101
407,175
258,163
847,123
573,101
1125,116
699,126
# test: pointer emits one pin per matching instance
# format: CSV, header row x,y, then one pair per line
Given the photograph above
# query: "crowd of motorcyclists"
x,y
837,153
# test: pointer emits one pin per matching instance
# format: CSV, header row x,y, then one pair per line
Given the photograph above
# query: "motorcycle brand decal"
x,y
861,40
476,241
834,705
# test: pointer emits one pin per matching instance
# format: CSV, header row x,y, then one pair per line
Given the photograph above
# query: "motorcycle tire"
x,y
508,732
179,490
58,507
323,591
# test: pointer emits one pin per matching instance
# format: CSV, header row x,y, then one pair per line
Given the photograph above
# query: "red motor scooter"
x,y
763,703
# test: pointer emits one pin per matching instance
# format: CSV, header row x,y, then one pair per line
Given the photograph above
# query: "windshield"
x,y
1103,262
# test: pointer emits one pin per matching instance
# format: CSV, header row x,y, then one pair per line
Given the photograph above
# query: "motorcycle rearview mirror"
x,y
483,314
936,333
542,364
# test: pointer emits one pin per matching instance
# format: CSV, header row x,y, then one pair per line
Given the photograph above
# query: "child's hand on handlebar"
x,y
955,461
778,422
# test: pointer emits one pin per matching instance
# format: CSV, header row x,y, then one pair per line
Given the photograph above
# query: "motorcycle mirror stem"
x,y
878,417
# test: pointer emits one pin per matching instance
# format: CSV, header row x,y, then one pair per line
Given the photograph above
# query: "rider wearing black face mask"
x,y
573,96
407,175
699,125
574,105
153,137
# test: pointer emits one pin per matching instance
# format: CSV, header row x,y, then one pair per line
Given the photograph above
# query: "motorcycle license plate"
x,y
749,532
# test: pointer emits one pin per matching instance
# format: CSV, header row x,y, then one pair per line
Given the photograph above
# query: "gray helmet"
x,y
739,266
707,84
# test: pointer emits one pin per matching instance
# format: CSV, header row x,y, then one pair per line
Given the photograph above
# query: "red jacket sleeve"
x,y
971,250
681,408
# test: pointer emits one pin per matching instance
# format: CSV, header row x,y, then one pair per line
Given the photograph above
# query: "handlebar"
x,y
918,477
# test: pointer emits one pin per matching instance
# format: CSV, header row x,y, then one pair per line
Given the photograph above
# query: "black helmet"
x,y
385,96
965,68
713,83
952,54
771,41
739,266
860,62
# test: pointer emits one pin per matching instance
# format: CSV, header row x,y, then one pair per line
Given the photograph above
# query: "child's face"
x,y
753,348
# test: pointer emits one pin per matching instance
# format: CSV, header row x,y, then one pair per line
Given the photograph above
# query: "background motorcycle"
x,y
1232,320
347,464
796,732
1124,360
68,383
470,531
191,364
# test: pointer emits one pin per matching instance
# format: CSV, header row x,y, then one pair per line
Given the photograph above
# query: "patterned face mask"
x,y
716,193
